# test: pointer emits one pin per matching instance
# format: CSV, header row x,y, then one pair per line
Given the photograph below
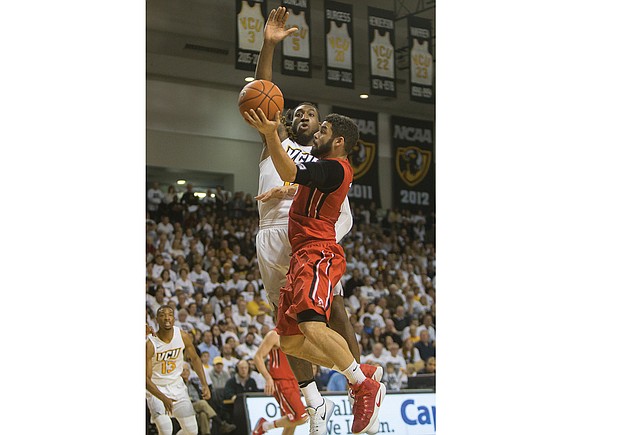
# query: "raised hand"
x,y
275,30
259,121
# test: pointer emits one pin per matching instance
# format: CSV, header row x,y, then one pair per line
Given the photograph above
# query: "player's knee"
x,y
189,426
164,425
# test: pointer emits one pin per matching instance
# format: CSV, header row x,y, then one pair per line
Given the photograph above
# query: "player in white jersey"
x,y
166,392
273,247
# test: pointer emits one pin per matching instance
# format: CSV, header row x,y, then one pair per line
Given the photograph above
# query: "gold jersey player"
x,y
317,261
166,391
272,245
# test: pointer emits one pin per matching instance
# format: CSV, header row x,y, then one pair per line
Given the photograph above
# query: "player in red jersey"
x,y
282,384
317,261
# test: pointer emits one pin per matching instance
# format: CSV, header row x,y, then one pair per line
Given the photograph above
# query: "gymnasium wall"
x,y
199,128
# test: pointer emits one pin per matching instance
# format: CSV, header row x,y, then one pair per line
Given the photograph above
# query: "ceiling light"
x,y
213,195
181,181
363,96
249,79
200,194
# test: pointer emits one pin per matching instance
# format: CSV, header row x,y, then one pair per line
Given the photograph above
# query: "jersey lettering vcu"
x,y
168,358
314,213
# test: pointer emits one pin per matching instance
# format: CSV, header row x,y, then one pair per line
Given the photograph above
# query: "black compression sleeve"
x,y
325,175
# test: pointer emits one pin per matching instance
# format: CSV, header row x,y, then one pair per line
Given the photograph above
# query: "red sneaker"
x,y
373,372
368,398
258,429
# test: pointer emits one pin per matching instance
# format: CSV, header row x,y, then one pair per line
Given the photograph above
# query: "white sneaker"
x,y
374,428
319,416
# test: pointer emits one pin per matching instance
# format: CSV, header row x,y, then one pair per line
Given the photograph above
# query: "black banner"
x,y
421,60
296,60
382,57
364,157
250,24
338,44
413,182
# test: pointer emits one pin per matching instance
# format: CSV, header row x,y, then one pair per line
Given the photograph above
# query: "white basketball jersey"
x,y
381,55
338,46
298,44
421,64
250,23
168,358
275,212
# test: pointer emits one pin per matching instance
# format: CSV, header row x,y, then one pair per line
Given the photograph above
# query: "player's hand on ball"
x,y
259,121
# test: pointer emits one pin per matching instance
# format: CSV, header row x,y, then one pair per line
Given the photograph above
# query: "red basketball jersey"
x,y
278,365
313,213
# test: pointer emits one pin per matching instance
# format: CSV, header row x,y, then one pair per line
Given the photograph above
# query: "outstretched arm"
x,y
271,339
287,170
274,32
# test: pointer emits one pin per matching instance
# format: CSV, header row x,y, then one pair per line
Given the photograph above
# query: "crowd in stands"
x,y
201,260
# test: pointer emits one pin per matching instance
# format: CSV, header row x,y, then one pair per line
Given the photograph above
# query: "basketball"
x,y
261,94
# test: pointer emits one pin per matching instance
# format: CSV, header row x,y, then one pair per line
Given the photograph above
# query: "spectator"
x,y
184,283
240,382
427,324
410,353
393,378
377,357
228,359
199,278
396,357
429,366
241,317
218,374
424,346
248,348
154,198
208,346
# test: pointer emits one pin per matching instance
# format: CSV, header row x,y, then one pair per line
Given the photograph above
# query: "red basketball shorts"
x,y
288,396
310,281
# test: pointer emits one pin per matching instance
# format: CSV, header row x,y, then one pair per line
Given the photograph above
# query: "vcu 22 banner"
x,y
250,24
382,57
296,60
364,157
413,180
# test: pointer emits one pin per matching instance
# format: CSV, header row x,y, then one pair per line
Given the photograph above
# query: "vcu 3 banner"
x,y
250,24
413,182
296,59
364,157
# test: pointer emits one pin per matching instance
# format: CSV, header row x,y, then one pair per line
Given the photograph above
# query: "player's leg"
x,y
183,411
339,322
158,415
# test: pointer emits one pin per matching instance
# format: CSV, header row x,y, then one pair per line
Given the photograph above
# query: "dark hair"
x,y
165,307
288,125
343,126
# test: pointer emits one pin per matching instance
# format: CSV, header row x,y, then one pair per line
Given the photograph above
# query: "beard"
x,y
305,138
321,150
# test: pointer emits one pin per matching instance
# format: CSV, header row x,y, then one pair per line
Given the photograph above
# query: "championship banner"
x,y
421,60
250,24
296,59
413,182
338,44
364,157
382,56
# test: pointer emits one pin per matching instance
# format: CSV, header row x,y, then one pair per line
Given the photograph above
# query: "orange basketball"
x,y
261,94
